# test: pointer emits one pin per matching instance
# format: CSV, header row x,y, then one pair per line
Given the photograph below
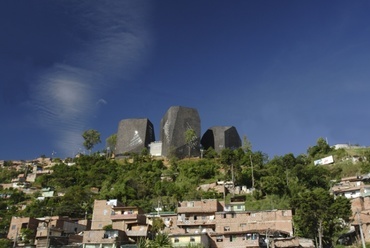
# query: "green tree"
x,y
162,240
317,212
5,243
27,235
321,148
91,138
210,153
7,174
247,145
158,225
111,142
191,139
312,176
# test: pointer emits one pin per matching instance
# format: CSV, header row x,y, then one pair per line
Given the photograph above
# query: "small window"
x,y
224,216
192,239
243,225
248,236
232,238
176,240
233,215
219,238
195,217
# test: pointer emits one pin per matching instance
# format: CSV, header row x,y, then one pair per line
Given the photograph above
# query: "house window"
x,y
224,216
233,215
232,238
192,239
195,217
248,236
219,238
243,225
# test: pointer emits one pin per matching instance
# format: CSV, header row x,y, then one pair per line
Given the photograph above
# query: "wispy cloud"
x,y
101,101
66,94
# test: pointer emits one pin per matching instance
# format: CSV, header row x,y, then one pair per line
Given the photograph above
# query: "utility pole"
x,y
320,233
232,178
15,239
360,226
250,157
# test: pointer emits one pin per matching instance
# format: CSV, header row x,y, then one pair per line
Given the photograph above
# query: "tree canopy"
x,y
91,138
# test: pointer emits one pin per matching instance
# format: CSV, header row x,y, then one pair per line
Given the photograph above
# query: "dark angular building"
x,y
221,137
174,125
133,136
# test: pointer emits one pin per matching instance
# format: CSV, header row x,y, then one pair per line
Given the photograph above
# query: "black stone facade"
x,y
221,137
133,136
174,125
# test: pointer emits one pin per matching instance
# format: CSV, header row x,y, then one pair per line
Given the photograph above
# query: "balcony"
x,y
197,209
195,222
124,217
137,233
103,237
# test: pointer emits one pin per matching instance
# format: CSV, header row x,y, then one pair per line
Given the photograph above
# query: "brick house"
x,y
58,230
104,238
102,213
250,229
19,223
128,224
197,216
130,219
229,225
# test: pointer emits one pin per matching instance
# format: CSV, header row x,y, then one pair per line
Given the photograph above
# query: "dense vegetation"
x,y
282,182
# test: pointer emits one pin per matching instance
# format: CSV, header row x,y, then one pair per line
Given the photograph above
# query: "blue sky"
x,y
284,73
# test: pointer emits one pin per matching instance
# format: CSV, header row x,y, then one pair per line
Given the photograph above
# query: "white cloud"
x,y
64,93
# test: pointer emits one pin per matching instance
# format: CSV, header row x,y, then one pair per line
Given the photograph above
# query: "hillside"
x,y
139,180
